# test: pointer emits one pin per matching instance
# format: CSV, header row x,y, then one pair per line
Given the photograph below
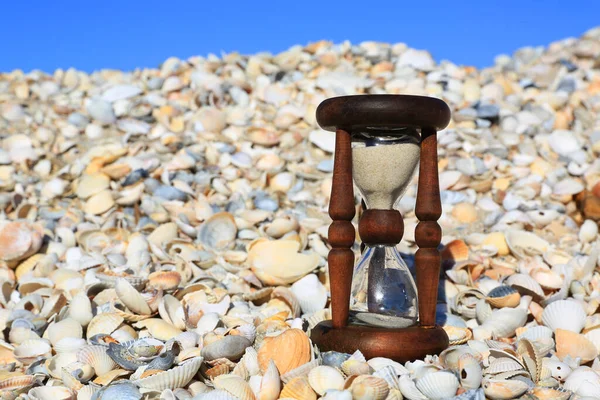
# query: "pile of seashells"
x,y
163,232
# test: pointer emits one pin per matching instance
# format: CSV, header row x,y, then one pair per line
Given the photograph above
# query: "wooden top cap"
x,y
382,111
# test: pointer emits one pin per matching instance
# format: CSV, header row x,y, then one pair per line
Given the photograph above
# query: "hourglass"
x,y
376,306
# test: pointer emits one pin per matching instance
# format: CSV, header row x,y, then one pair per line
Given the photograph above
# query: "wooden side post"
x,y
428,233
341,230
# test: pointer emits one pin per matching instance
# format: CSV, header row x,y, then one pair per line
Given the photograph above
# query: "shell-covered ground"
x,y
164,231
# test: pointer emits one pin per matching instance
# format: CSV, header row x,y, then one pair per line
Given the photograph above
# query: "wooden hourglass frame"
x,y
347,115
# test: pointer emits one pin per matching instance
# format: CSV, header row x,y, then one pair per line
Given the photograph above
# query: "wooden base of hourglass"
x,y
383,226
405,344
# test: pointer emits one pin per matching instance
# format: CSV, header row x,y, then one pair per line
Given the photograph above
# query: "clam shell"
x,y
496,389
311,294
288,350
545,393
99,203
235,386
266,257
103,323
355,367
523,244
368,387
388,374
469,371
132,299
176,377
97,357
270,384
298,388
218,231
69,345
158,328
80,309
564,314
526,285
505,321
378,363
19,240
438,385
29,350
325,378
67,328
579,377
171,310
504,296
575,345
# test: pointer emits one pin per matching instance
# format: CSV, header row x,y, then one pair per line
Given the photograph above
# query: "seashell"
x,y
17,382
526,285
497,389
218,231
458,335
580,377
80,309
564,314
345,395
235,386
230,347
87,391
388,374
300,371
288,350
449,358
469,371
408,388
368,387
19,240
99,203
311,294
503,296
265,258
270,384
104,323
97,357
67,328
503,364
69,380
545,393
131,298
287,296
164,280
51,393
378,363
29,350
69,345
438,385
119,390
158,328
91,184
111,376
588,231
572,344
557,369
355,367
523,244
298,388
456,250
536,332
324,378
55,364
171,310
547,278
174,378
505,321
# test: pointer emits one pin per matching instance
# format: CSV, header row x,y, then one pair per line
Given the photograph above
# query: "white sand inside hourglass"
x,y
383,172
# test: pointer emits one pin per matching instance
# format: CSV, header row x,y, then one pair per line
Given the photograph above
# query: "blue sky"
x,y
126,34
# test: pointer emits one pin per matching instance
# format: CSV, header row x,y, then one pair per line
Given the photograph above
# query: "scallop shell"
x,y
503,364
298,388
497,389
564,314
545,393
67,328
103,323
388,374
17,382
97,357
302,370
536,332
368,387
438,385
288,350
311,294
523,244
51,393
408,388
575,345
235,386
266,257
164,280
504,296
176,377
324,378
69,345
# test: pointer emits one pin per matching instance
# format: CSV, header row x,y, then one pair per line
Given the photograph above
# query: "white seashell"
x,y
588,232
536,332
409,389
438,385
469,371
80,309
131,298
541,218
580,376
97,357
564,314
67,328
523,244
389,375
266,257
103,323
69,345
207,323
270,384
324,378
60,361
526,285
378,363
497,389
503,364
187,339
176,377
368,387
558,370
29,350
218,231
51,393
235,386
505,321
338,395
311,294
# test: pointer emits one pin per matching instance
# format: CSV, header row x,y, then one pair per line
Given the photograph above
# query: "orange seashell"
x,y
165,280
288,350
456,250
298,388
575,345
